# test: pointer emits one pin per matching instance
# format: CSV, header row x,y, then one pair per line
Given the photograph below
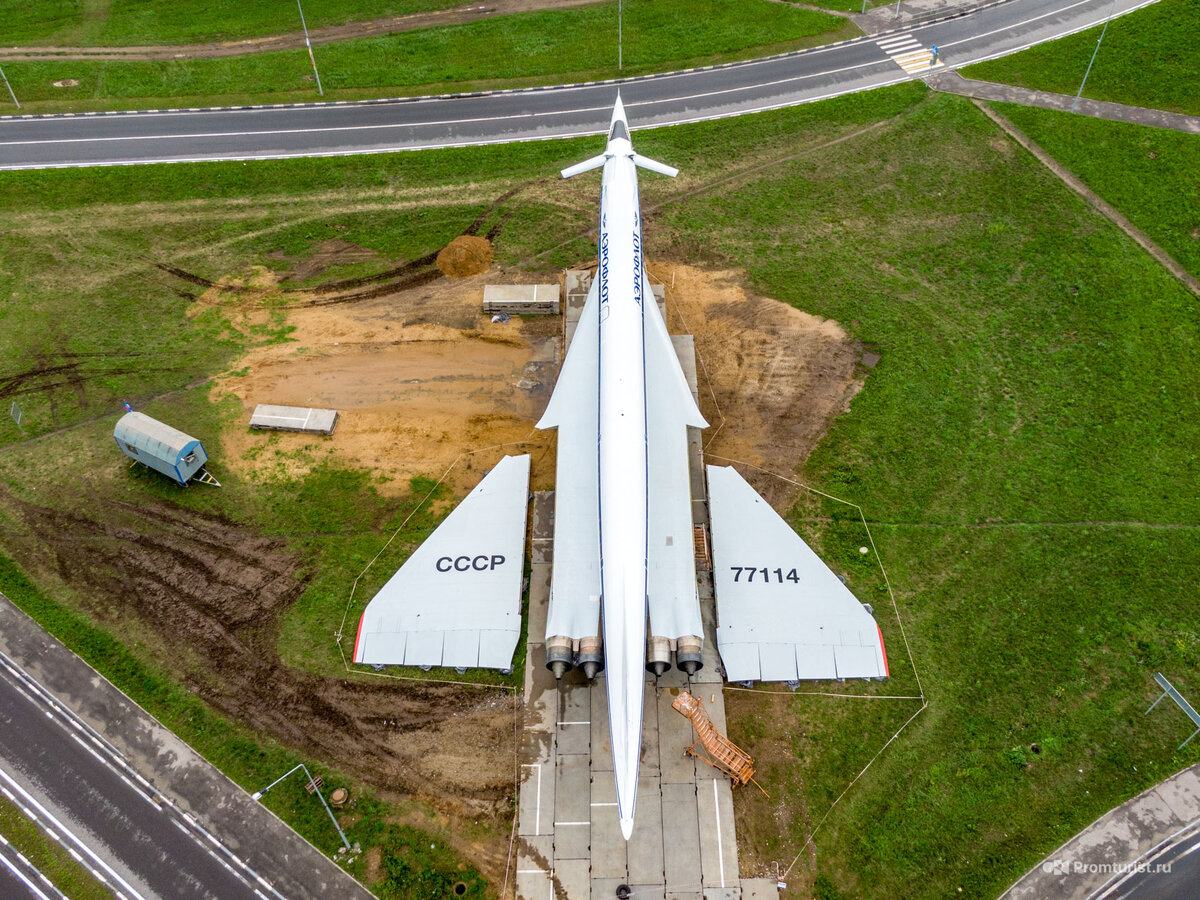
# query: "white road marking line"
x,y
562,824
8,864
717,819
1191,849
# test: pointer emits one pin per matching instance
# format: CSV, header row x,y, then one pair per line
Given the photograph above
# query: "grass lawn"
x,y
1022,449
28,839
1148,58
83,23
531,48
1152,175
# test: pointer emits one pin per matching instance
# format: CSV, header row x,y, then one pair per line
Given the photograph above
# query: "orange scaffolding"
x,y
717,750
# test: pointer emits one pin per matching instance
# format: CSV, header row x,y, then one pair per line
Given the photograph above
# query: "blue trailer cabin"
x,y
161,447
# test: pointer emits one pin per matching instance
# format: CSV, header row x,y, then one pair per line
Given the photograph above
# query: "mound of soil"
x,y
467,254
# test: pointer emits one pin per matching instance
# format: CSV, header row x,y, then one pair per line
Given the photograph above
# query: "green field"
x,y
532,48
84,23
1148,58
1022,451
1151,175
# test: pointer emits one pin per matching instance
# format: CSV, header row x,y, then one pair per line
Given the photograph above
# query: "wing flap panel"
x,y
467,573
774,591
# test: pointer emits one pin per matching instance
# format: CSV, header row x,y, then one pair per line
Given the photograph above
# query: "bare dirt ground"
x,y
772,378
467,12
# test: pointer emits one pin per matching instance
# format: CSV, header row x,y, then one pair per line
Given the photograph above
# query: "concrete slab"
x,y
574,719
647,892
718,844
293,418
541,692
681,838
606,888
650,765
572,808
1182,795
574,879
536,797
760,889
608,844
601,739
535,852
539,601
645,849
684,895
543,527
672,678
675,735
534,884
734,892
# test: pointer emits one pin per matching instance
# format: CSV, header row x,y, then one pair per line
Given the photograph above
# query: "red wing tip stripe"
x,y
358,637
883,647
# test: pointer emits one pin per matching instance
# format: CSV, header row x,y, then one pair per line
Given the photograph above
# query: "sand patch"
x,y
771,377
420,379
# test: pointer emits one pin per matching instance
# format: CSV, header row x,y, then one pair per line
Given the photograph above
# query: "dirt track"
x,y
467,12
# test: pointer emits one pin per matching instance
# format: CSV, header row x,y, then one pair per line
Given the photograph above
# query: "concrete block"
x,y
648,891
718,843
601,740
608,844
606,888
650,763
539,602
534,885
536,797
573,879
646,845
572,808
535,852
733,892
681,838
541,692
574,719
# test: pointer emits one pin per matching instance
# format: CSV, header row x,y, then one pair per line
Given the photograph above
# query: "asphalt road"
x,y
20,880
1173,874
68,779
381,126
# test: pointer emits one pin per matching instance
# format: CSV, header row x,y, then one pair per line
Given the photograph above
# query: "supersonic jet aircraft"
x,y
623,595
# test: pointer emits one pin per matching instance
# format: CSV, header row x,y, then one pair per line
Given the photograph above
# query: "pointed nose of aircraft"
x,y
619,126
627,827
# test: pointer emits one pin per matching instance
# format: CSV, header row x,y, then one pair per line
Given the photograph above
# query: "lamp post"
x,y
308,44
257,795
9,86
1079,93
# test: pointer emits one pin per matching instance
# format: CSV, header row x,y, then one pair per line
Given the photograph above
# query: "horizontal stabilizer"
x,y
653,165
456,601
782,614
586,166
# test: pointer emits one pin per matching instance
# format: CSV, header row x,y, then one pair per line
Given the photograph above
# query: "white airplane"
x,y
623,593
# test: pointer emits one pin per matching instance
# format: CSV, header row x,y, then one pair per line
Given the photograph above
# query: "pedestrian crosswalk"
x,y
908,54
